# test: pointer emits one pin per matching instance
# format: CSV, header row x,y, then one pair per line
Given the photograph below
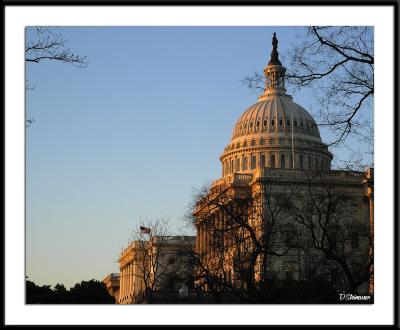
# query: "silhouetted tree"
x,y
90,292
239,245
36,294
85,292
50,45
47,45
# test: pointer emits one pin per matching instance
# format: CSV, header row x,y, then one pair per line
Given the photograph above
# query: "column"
x,y
130,279
203,238
125,280
197,236
121,294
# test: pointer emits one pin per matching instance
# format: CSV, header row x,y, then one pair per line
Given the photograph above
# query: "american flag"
x,y
144,230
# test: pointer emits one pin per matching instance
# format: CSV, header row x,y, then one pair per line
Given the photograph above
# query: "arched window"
x,y
309,163
273,161
231,166
244,164
262,160
288,122
280,122
273,122
265,122
253,162
237,165
282,161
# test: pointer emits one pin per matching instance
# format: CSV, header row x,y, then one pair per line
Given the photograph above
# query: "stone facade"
x,y
159,263
111,282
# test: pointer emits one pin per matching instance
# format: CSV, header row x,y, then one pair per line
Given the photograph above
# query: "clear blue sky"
x,y
130,136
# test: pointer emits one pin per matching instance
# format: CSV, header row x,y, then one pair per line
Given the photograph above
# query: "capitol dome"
x,y
275,132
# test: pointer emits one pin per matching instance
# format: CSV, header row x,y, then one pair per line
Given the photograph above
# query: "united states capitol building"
x,y
279,212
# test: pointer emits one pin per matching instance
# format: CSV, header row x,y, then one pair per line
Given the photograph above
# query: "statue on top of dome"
x,y
274,41
274,54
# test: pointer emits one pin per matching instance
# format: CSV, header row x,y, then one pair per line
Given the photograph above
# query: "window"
x,y
301,123
244,163
309,163
272,122
280,122
171,261
282,161
253,162
295,123
289,273
258,123
265,123
333,235
262,161
251,125
311,272
310,241
237,165
289,233
334,276
273,161
354,241
288,122
301,162
316,163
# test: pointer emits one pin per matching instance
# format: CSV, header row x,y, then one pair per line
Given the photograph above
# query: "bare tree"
x,y
337,62
49,45
243,230
335,229
150,243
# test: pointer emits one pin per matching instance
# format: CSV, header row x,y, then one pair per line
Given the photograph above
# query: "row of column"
x,y
126,281
204,237
276,160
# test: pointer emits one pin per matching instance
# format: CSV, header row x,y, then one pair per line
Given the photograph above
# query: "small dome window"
x,y
272,122
258,123
265,122
295,123
288,122
301,123
280,122
251,125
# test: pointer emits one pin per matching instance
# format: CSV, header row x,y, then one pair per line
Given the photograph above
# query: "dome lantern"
x,y
274,73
